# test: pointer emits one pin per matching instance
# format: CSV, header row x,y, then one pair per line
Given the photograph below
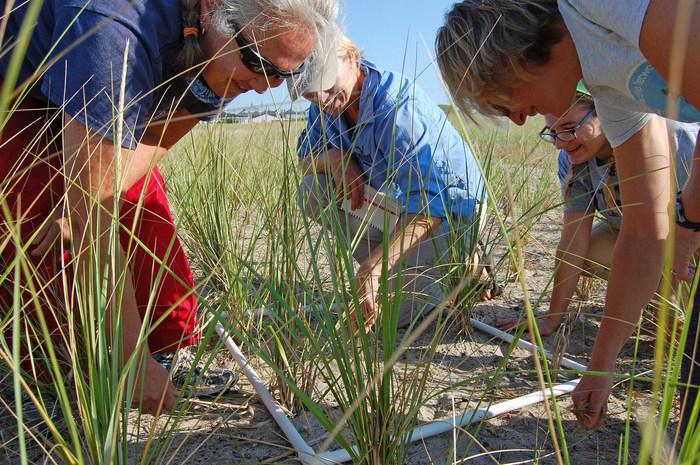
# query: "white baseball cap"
x,y
321,70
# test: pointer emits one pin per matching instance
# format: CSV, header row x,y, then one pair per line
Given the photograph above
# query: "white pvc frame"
x,y
308,456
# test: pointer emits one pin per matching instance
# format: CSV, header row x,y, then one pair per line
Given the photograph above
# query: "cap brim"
x,y
321,73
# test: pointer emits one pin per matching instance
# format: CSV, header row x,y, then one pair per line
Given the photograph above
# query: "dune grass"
x,y
259,263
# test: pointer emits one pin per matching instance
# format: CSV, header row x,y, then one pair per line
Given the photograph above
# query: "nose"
x,y
262,83
275,82
518,118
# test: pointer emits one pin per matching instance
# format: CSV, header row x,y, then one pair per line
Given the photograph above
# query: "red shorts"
x,y
31,185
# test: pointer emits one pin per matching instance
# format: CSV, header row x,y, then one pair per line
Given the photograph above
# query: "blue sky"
x,y
394,34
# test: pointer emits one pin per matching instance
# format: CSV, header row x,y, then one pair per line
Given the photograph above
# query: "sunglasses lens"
x,y
260,65
251,60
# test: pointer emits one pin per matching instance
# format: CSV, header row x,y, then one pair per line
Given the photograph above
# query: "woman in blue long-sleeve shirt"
x,y
374,130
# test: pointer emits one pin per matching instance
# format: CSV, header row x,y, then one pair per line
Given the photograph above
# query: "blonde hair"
x,y
346,47
485,47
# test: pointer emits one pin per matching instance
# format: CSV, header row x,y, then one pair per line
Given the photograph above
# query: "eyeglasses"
x,y
257,63
567,135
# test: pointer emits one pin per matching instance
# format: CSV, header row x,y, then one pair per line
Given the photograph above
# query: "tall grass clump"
x,y
249,234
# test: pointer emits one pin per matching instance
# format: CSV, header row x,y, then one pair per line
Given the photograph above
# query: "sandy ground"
x,y
236,428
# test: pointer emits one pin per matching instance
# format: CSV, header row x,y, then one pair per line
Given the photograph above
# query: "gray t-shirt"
x,y
594,185
626,88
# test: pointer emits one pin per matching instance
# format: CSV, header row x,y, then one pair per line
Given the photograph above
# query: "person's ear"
x,y
206,14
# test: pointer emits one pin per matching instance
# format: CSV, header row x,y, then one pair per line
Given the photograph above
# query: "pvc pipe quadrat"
x,y
523,344
304,451
309,457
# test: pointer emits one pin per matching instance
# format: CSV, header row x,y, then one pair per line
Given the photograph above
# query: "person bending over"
x,y
111,86
371,130
518,59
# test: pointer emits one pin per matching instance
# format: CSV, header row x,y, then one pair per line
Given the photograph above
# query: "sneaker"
x,y
203,383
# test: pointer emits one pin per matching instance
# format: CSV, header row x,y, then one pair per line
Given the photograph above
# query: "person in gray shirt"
x,y
518,59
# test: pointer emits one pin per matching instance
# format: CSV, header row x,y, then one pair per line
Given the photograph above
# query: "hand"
x,y
485,295
152,387
367,279
347,176
590,399
545,326
687,242
56,228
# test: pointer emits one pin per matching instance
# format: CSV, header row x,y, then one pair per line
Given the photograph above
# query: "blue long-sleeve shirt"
x,y
404,145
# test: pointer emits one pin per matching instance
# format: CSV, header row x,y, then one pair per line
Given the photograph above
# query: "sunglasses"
x,y
567,135
257,63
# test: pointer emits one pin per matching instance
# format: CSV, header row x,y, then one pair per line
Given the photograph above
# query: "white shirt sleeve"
x,y
622,17
619,124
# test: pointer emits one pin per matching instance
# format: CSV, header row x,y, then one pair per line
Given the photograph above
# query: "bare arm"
x,y
342,168
657,44
687,241
407,235
572,248
166,133
643,167
158,136
661,21
90,186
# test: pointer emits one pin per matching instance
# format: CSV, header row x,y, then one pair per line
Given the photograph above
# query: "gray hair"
x,y
485,47
318,15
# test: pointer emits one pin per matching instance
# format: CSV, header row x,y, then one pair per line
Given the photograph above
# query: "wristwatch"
x,y
681,220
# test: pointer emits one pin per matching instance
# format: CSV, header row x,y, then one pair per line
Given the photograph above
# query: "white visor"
x,y
321,71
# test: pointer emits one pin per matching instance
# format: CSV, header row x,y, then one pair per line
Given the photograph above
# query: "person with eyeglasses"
x,y
102,90
637,57
592,203
375,140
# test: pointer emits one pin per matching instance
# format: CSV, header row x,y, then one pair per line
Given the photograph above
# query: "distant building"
x,y
262,113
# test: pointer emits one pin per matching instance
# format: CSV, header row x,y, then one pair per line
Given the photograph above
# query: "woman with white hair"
x,y
120,82
376,138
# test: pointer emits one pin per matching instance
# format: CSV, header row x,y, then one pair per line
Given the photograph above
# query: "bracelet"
x,y
681,219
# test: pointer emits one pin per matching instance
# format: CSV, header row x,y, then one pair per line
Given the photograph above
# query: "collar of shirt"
x,y
369,90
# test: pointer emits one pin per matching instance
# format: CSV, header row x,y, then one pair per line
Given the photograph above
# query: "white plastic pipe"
x,y
304,451
565,362
307,455
444,425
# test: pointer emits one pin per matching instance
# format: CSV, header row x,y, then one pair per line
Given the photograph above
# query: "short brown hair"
x,y
485,47
585,100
